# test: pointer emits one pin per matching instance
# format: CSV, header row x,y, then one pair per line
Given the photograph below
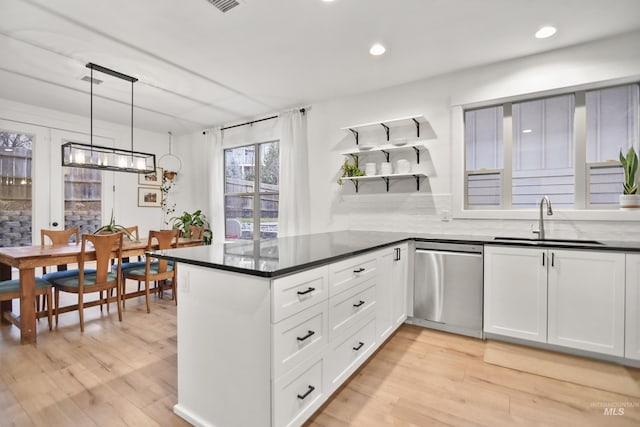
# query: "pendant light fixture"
x,y
89,156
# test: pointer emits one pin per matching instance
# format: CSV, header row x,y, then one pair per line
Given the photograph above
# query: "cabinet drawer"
x,y
347,354
299,337
292,294
350,306
351,272
298,394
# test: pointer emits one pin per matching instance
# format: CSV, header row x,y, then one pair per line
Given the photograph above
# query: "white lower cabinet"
x,y
586,301
315,348
515,292
299,393
347,353
570,298
632,329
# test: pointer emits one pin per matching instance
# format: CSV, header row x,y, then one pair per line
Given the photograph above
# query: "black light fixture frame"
x,y
69,147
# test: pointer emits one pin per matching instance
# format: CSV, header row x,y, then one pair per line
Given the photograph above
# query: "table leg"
x,y
5,274
28,306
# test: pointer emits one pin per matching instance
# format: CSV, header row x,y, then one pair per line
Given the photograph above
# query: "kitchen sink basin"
x,y
534,240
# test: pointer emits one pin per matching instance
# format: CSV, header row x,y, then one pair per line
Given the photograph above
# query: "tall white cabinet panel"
x,y
399,284
632,329
515,292
586,300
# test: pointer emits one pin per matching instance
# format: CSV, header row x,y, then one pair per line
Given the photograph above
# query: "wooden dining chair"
x,y
195,232
58,237
10,290
156,269
101,279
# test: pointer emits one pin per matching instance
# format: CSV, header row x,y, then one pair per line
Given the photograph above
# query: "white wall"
x,y
337,207
125,198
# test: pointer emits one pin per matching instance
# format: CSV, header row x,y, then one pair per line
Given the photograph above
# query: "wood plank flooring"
x,y
124,374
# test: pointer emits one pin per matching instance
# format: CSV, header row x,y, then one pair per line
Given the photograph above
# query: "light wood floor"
x,y
119,374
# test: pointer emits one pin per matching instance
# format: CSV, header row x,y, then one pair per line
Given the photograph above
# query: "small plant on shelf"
x,y
630,166
350,169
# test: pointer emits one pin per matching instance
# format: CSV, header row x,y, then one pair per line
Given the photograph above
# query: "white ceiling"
x,y
200,67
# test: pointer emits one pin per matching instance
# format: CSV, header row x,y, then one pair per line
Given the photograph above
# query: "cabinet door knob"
x,y
309,391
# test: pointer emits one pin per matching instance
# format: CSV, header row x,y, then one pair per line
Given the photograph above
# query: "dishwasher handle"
x,y
457,253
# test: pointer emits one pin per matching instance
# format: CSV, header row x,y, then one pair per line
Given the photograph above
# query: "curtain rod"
x,y
302,110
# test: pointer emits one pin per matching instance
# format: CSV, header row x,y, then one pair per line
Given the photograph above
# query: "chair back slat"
x,y
166,239
195,232
133,230
59,237
104,245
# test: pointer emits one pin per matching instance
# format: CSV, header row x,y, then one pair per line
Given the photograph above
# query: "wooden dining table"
x,y
27,258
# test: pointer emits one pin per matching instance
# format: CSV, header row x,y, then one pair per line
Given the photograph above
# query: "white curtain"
x,y
213,141
293,215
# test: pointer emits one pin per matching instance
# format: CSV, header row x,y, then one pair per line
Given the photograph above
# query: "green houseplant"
x,y
350,169
197,219
630,199
112,227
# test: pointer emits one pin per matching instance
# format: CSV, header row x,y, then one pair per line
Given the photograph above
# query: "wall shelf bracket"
x,y
386,129
417,127
386,181
355,183
417,154
355,134
417,182
386,154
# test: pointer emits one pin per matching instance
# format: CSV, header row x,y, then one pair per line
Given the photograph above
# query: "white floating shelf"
x,y
356,179
400,121
416,145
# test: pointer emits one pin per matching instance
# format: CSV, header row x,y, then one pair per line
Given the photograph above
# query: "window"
x,y
563,146
82,199
251,191
15,188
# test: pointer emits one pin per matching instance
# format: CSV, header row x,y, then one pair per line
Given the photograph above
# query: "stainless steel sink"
x,y
534,240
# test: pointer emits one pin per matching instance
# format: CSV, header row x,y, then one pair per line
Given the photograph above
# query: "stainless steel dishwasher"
x,y
448,287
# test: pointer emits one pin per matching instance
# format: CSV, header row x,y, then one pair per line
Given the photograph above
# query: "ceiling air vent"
x,y
95,81
224,5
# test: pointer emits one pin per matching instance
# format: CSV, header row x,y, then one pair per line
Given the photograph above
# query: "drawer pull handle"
x,y
309,391
306,292
359,346
358,270
358,304
310,333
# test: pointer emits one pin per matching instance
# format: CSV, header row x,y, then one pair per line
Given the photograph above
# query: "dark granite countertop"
x,y
285,255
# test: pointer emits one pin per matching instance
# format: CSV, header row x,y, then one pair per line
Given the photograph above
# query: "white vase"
x,y
629,201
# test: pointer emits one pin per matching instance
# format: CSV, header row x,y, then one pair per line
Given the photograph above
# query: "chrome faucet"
x,y
540,230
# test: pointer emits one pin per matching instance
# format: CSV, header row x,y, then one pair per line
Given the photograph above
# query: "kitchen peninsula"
x,y
268,330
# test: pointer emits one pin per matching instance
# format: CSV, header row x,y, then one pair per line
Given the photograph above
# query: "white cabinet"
x,y
515,292
392,289
632,329
586,300
570,298
399,284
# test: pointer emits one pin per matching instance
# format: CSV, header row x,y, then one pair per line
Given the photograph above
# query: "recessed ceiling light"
x,y
526,131
377,49
327,1
545,32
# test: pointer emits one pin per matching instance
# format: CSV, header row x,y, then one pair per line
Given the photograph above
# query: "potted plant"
x,y
350,169
630,199
197,219
111,227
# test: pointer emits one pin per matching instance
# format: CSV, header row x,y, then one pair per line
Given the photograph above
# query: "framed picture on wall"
x,y
151,179
149,197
